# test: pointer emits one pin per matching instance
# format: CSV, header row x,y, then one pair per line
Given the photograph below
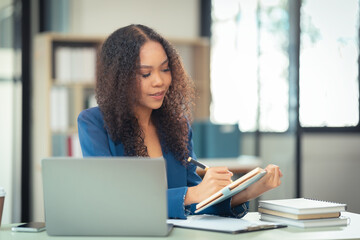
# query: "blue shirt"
x,y
95,141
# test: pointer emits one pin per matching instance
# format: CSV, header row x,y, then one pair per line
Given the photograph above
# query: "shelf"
x,y
69,131
84,84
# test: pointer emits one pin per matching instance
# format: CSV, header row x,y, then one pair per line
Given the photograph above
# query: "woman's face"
x,y
154,76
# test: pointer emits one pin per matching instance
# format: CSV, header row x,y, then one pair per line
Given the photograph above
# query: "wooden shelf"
x,y
84,84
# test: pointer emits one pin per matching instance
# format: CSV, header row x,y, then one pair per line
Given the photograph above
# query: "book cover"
x,y
76,148
323,222
302,206
299,216
233,188
54,111
59,145
63,64
63,108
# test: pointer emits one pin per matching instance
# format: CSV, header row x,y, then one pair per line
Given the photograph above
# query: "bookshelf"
x,y
63,85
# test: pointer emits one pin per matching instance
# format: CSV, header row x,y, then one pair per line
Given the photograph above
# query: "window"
x,y
329,51
249,64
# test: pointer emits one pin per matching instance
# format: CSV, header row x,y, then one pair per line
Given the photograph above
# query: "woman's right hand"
x,y
215,179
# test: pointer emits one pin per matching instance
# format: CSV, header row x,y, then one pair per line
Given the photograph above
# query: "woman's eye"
x,y
166,70
145,75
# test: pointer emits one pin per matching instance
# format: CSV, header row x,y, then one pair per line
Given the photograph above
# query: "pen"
x,y
199,164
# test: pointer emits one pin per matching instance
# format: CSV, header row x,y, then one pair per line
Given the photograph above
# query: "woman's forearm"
x,y
190,196
240,198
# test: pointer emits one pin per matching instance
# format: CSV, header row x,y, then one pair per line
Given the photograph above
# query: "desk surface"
x,y
352,231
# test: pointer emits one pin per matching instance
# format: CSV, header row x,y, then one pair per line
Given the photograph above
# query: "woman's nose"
x,y
158,80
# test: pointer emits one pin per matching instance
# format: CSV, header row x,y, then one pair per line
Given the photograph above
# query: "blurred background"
x,y
277,81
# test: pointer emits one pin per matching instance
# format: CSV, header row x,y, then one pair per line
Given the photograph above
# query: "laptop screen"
x,y
101,196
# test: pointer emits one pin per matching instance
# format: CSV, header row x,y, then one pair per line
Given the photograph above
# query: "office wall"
x,y
330,169
10,148
172,18
6,137
10,118
330,165
278,149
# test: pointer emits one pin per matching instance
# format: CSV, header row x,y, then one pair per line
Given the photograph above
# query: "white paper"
x,y
221,224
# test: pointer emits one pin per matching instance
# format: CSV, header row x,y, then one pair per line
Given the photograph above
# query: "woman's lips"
x,y
158,95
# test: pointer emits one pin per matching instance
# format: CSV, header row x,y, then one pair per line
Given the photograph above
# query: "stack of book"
x,y
302,212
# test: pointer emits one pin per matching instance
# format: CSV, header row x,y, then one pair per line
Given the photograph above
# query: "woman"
x,y
145,99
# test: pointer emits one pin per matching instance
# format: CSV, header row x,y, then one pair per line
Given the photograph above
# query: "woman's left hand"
x,y
269,181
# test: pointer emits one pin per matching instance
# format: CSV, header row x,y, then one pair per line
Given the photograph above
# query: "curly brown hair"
x,y
116,91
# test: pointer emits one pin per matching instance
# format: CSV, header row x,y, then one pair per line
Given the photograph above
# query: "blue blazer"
x,y
95,141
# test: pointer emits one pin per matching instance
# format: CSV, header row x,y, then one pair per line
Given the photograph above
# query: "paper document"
x,y
223,224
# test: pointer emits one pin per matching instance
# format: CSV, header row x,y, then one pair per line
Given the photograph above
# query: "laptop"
x,y
105,196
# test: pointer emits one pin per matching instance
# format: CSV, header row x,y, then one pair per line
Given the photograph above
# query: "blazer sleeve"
x,y
92,134
223,208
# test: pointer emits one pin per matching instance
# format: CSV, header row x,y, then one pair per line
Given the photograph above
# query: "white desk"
x,y
352,231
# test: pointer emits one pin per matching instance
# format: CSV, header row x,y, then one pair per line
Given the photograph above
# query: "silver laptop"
x,y
122,196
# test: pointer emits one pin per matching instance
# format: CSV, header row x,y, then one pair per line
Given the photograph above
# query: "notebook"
x,y
322,222
299,216
302,206
232,189
105,196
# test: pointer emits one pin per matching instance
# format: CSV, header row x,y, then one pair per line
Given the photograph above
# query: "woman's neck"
x,y
144,118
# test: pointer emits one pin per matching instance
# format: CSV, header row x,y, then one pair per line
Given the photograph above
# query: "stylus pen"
x,y
199,164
